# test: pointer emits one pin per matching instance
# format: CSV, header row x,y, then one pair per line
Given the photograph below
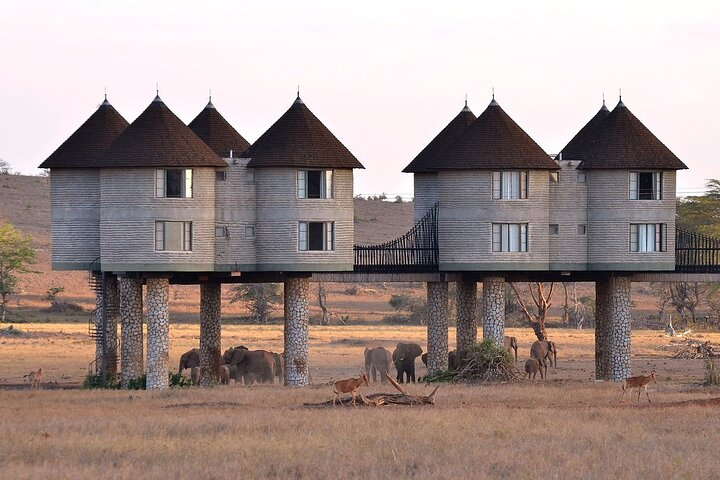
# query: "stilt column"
x,y
296,332
131,315
210,333
108,307
157,333
466,331
437,326
494,310
612,333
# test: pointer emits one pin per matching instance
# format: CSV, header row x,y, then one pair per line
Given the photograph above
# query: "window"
x,y
581,177
173,236
222,231
582,229
316,236
173,183
250,231
554,177
648,237
250,176
509,237
220,175
509,185
314,183
645,185
554,229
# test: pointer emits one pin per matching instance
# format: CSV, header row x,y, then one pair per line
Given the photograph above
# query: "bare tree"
x,y
541,298
259,298
322,300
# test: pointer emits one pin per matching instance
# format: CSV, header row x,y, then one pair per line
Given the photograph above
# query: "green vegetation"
x,y
16,254
409,309
93,381
483,362
260,299
701,214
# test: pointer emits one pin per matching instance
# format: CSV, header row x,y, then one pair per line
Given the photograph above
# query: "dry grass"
x,y
567,427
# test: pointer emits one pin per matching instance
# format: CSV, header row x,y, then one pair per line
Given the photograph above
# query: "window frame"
x,y
502,241
222,228
582,177
251,230
161,236
326,184
655,237
501,184
305,242
635,191
161,183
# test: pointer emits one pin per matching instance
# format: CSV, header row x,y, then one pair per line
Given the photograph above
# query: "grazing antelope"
x,y
639,382
350,385
34,378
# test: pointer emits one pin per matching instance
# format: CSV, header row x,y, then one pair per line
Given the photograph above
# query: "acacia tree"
x,y
16,254
260,299
4,167
541,298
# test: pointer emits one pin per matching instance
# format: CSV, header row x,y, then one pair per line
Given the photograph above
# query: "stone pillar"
x,y
210,333
131,316
297,368
109,307
158,333
437,326
466,331
494,310
613,328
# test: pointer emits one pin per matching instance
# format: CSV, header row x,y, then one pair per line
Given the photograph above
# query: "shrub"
x,y
411,310
94,380
712,375
483,362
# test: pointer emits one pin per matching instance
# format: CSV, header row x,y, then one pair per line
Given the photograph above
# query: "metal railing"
x,y
696,253
414,252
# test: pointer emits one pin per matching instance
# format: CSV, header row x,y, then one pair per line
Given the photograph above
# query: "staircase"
x,y
98,330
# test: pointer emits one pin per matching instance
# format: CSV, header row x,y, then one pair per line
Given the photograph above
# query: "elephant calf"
x,y
250,365
404,357
377,361
453,360
189,359
532,367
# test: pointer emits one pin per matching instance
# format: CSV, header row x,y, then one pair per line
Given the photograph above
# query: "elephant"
x,y
541,350
279,367
404,359
251,365
195,374
452,360
378,361
510,345
189,359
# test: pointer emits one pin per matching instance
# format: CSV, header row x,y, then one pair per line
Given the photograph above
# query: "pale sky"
x,y
384,77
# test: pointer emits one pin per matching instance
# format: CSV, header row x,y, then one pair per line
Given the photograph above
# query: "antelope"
x,y
639,382
350,385
34,378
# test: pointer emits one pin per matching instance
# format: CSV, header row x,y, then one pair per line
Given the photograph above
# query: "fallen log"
x,y
379,399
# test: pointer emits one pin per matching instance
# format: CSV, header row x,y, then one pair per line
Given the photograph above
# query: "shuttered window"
x,y
173,183
173,236
648,237
315,183
645,185
509,237
316,236
509,185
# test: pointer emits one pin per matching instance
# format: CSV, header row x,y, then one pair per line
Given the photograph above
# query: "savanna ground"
x,y
568,426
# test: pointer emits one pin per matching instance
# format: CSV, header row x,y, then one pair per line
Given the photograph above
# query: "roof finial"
x,y
493,93
298,91
620,103
493,103
298,100
620,90
105,94
210,95
603,99
157,89
466,100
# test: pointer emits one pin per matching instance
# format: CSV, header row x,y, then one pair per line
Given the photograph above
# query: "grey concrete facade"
x,y
210,333
437,327
131,317
158,333
297,367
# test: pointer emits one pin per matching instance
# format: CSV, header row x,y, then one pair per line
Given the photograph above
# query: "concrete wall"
x,y
467,212
128,213
425,194
279,211
75,217
235,209
568,209
610,213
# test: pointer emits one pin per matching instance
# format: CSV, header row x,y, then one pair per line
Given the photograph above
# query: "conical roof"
x,y
299,139
494,141
434,152
621,141
574,148
84,147
158,138
217,133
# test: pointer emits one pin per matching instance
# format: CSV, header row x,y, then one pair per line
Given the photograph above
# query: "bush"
x,y
411,310
483,362
94,380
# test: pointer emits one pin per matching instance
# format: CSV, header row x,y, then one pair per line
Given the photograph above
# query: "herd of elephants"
x,y
261,366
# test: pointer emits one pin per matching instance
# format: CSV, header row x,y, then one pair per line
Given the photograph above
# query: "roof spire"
x,y
620,103
466,108
105,102
298,100
493,103
209,104
157,93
